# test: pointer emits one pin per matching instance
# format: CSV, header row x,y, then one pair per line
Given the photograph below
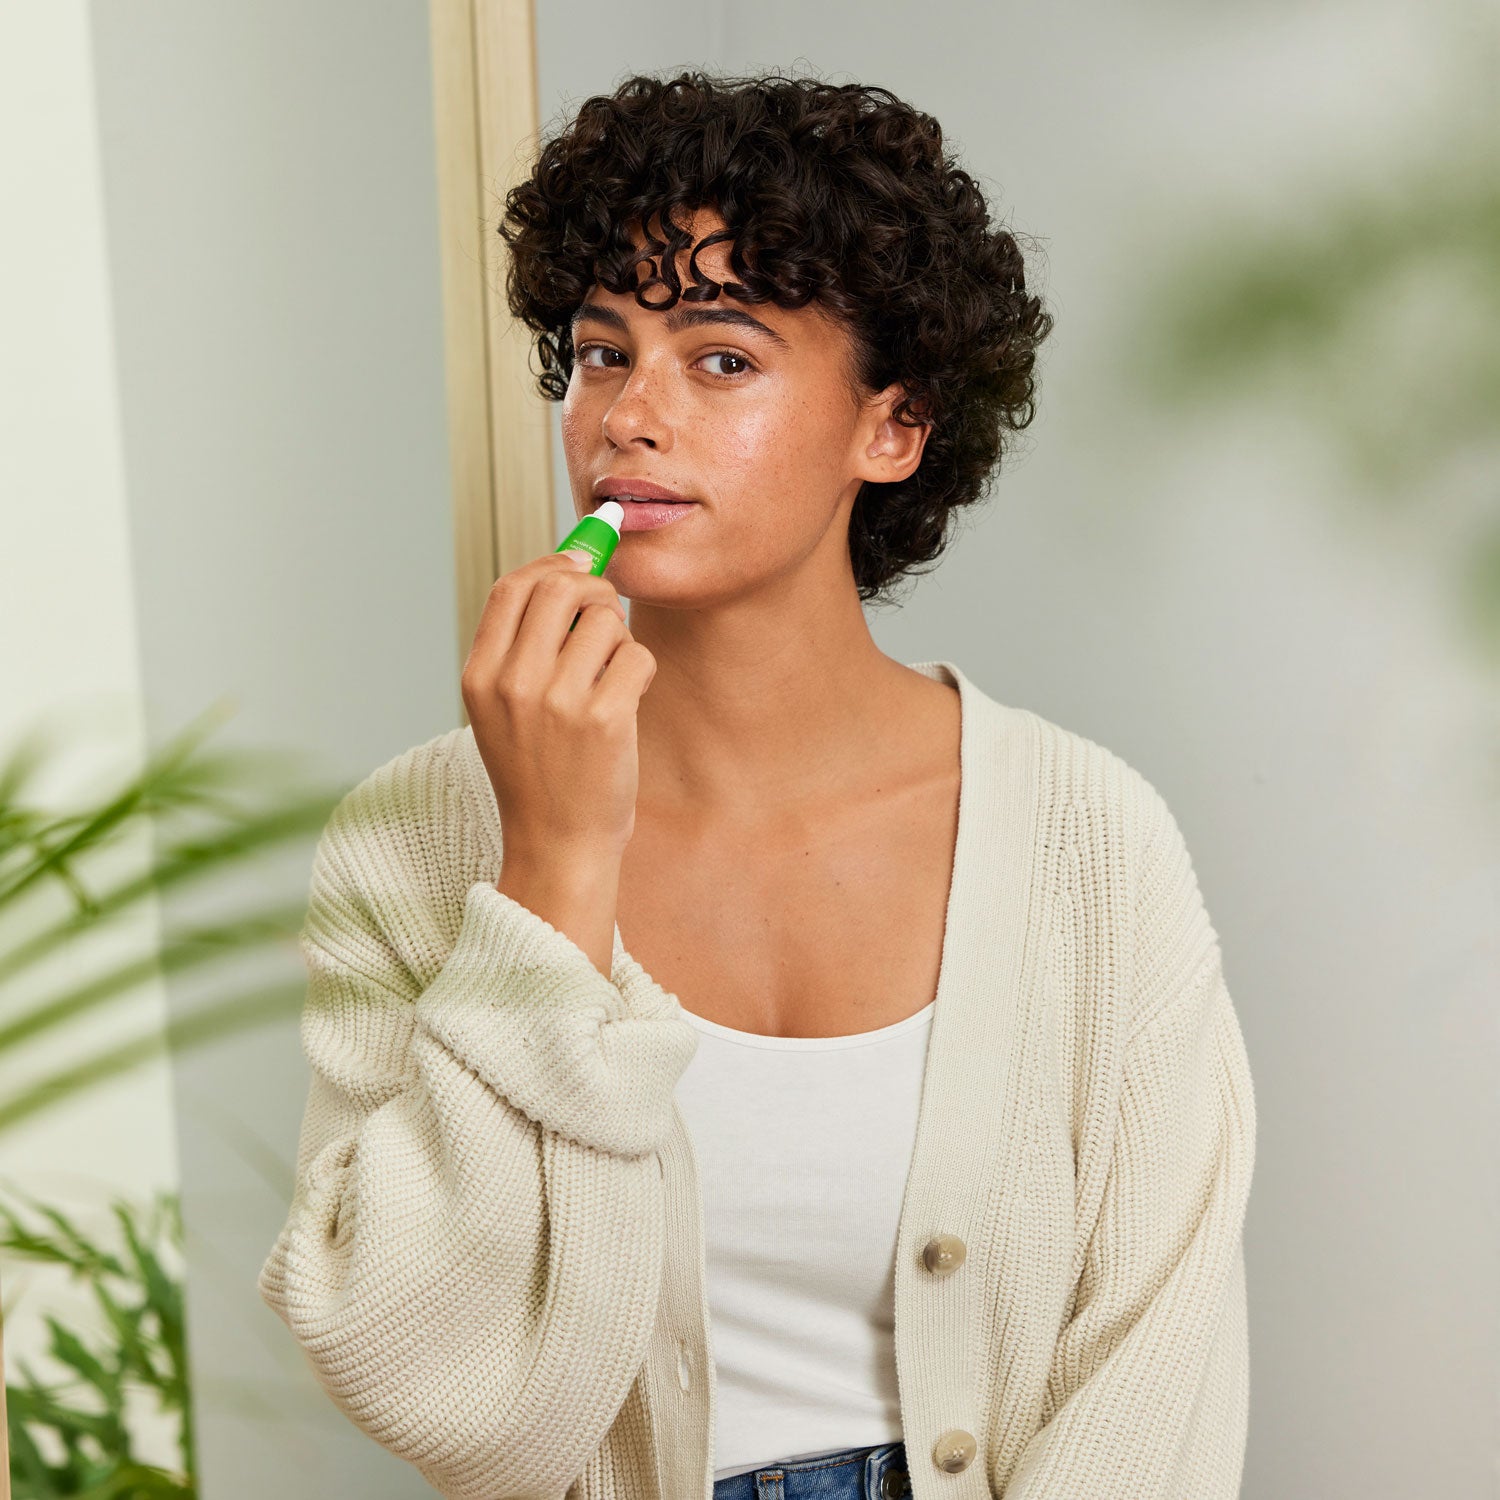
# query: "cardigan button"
x,y
954,1451
943,1253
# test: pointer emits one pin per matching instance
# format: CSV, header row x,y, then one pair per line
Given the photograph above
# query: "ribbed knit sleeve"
x,y
526,1009
473,1255
1149,1387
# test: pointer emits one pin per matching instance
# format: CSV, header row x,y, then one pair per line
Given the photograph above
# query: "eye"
x,y
583,350
736,358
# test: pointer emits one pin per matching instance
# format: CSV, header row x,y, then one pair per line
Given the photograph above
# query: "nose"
x,y
636,414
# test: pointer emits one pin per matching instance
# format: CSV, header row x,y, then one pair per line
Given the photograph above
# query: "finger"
x,y
587,649
627,674
511,599
555,601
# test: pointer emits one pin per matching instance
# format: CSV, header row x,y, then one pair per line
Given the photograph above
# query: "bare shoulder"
x,y
926,724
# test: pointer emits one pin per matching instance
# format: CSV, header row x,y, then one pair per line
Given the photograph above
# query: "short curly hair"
x,y
835,193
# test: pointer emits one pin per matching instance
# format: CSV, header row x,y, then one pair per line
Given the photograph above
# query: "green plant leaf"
x,y
207,814
67,836
68,1349
189,860
70,1248
204,1025
163,1298
198,946
38,1403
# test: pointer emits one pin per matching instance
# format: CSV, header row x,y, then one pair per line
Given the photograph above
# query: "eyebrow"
x,y
679,317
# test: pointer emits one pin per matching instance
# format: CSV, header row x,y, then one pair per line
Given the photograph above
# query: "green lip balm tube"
x,y
598,534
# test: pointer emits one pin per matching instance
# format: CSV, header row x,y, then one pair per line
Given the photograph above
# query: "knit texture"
x,y
493,1257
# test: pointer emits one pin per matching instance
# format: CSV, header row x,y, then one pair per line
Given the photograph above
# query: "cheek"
x,y
779,478
578,425
757,444
569,419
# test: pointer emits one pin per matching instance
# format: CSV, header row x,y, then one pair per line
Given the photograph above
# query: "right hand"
x,y
554,712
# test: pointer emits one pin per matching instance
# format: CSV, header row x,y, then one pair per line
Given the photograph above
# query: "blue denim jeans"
x,y
852,1474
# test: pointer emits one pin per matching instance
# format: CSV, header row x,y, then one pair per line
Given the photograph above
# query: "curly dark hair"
x,y
839,194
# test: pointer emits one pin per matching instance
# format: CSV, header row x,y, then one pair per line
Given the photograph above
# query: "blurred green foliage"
x,y
1372,314
206,813
141,1349
203,815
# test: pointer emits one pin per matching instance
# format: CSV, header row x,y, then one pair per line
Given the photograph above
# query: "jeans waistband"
x,y
872,1473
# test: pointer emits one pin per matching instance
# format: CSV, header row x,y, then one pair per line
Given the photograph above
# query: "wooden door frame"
x,y
499,425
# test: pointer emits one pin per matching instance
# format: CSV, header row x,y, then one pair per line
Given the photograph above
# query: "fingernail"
x,y
583,557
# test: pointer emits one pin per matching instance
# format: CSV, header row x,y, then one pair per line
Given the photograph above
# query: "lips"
x,y
623,489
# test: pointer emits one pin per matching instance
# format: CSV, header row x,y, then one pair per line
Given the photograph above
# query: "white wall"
x,y
269,182
69,651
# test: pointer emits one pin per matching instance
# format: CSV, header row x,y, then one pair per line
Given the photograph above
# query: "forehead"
x,y
777,327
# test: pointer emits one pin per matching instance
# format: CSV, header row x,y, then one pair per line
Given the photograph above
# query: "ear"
x,y
891,450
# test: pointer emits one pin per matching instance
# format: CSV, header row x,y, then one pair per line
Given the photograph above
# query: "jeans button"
x,y
894,1484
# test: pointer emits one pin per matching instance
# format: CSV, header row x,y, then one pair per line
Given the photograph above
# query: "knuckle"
x,y
510,688
598,612
469,678
553,585
600,716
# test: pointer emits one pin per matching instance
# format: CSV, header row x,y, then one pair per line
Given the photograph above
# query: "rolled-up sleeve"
x,y
473,1253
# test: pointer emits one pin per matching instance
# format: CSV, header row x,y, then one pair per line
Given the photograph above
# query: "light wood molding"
x,y
499,426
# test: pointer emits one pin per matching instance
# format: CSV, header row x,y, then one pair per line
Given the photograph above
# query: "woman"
x,y
743,1064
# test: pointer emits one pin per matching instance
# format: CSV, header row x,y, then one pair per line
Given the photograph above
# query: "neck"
x,y
753,706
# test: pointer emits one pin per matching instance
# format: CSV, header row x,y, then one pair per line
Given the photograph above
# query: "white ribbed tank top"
x,y
803,1145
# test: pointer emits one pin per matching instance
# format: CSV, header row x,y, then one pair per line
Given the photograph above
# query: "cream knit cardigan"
x,y
493,1258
